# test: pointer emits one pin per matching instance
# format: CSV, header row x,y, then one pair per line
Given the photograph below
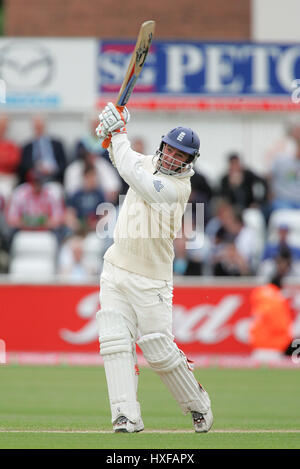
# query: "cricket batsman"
x,y
136,281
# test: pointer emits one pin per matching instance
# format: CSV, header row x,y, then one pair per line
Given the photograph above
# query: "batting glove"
x,y
100,132
114,120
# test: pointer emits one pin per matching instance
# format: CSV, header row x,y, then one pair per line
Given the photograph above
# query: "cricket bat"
x,y
135,67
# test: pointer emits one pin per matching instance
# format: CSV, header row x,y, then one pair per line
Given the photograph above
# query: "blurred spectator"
x,y
201,192
43,154
82,205
34,207
280,253
107,178
283,266
273,249
221,209
285,176
4,231
2,211
10,155
180,259
270,332
71,263
232,249
242,187
188,252
90,143
3,237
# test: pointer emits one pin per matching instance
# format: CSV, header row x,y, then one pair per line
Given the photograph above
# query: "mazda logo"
x,y
25,65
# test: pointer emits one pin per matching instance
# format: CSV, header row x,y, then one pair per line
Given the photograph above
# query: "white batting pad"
x,y
170,363
116,348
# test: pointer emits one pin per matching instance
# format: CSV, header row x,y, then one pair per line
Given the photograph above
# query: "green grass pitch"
x,y
67,407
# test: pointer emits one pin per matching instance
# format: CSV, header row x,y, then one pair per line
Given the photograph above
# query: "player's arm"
x,y
153,189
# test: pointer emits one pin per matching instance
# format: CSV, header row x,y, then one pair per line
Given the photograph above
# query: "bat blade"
x,y
135,66
137,61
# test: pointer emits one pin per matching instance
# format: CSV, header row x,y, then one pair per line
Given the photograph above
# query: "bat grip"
x,y
106,141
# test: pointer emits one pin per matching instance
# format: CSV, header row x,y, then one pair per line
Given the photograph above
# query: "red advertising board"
x,y
54,318
212,319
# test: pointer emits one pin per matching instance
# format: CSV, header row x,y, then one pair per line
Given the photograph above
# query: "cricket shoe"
x,y
202,422
124,425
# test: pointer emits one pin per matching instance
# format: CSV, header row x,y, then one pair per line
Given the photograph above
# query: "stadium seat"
x,y
34,244
290,217
254,219
32,268
93,247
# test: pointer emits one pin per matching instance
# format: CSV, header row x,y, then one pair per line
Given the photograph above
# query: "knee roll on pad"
x,y
160,352
170,363
114,336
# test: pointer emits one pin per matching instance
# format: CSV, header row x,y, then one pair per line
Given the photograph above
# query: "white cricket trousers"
x,y
145,304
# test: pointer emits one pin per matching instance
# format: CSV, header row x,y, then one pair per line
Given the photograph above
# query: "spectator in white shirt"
x,y
285,176
71,264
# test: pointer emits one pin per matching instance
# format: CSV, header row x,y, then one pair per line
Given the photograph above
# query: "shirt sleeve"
x,y
152,188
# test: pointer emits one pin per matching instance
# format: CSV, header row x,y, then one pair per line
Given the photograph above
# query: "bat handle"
x,y
106,141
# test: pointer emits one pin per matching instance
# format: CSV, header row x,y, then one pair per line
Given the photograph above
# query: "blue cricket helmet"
x,y
184,139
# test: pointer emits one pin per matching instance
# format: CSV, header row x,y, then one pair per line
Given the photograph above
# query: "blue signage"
x,y
204,68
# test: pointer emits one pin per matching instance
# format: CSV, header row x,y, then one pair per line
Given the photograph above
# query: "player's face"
x,y
173,158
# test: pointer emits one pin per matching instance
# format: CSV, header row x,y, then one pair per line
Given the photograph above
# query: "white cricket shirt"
x,y
151,214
